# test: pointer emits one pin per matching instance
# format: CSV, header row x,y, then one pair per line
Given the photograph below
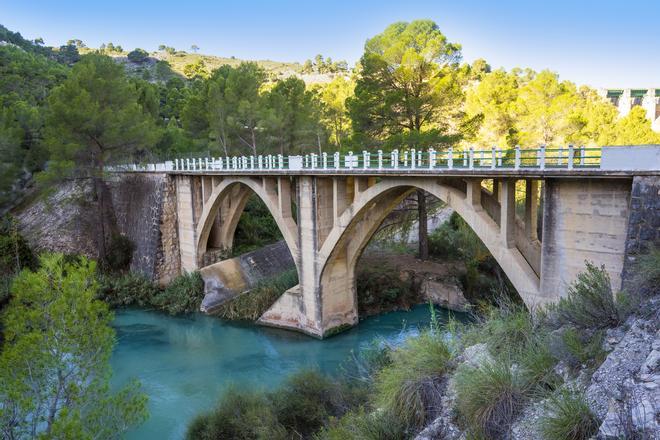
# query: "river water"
x,y
185,363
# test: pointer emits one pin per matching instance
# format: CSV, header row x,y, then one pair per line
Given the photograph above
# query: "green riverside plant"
x,y
411,387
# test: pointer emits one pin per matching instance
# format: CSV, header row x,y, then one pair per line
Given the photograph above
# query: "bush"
x,y
568,417
582,349
590,302
538,365
505,329
251,305
126,290
239,415
362,425
138,56
119,253
15,253
183,295
380,288
411,387
305,402
489,397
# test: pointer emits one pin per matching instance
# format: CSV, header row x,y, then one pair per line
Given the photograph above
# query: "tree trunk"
x,y
423,225
99,195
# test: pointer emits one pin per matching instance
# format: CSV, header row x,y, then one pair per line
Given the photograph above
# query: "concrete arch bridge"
x,y
328,207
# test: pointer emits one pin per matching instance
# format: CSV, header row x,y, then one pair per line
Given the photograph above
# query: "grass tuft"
x,y
568,417
411,387
489,397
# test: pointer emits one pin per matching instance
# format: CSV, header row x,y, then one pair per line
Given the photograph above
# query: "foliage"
x,y
489,397
568,417
298,408
184,294
94,119
504,329
360,424
61,391
305,401
582,349
254,303
256,227
381,287
15,253
127,290
590,302
408,84
138,56
410,388
119,253
238,415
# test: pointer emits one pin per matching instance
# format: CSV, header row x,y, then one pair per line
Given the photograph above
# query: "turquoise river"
x,y
185,363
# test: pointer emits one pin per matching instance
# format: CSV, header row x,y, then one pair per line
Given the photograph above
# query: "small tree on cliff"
x,y
95,118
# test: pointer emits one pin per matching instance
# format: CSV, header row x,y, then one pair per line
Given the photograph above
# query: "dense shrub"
x,y
15,253
183,295
239,415
411,387
537,363
381,288
568,417
590,302
489,397
256,228
583,348
138,56
305,402
127,290
297,409
361,424
251,305
119,253
505,329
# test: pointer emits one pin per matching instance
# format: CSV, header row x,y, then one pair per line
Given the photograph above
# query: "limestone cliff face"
x,y
144,207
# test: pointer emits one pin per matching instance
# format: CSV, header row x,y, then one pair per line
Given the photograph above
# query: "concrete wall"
x,y
583,220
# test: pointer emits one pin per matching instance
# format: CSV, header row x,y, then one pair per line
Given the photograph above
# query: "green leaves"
x,y
54,366
409,83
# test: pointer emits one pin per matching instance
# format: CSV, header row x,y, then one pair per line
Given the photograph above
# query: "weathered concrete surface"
x,y
583,220
229,278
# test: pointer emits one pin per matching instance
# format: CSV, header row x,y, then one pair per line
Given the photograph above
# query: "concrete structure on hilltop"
x,y
597,205
626,99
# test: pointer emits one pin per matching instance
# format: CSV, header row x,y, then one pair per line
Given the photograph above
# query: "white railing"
x,y
494,158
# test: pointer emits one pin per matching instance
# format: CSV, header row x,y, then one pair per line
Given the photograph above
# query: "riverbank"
x,y
186,362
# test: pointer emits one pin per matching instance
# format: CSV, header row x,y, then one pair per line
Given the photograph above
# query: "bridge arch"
x,y
240,189
342,248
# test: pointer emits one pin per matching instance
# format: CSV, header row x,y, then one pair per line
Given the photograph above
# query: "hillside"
x,y
162,65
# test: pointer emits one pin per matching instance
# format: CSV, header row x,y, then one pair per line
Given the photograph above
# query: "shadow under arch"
x,y
344,245
248,186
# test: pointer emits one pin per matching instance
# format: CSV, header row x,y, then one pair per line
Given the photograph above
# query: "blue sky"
x,y
601,43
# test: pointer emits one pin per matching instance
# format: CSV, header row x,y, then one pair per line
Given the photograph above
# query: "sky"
x,y
603,43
